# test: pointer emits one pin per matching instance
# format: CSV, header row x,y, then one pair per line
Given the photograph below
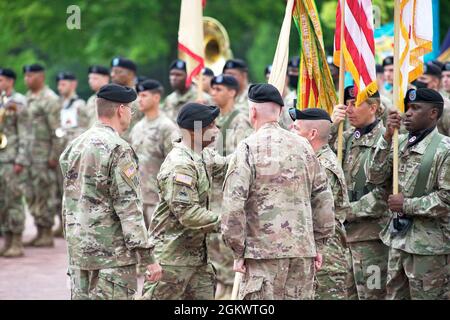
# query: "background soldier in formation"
x,y
239,70
277,205
314,125
369,207
181,94
183,219
234,127
98,76
207,76
102,207
44,114
418,234
14,162
151,139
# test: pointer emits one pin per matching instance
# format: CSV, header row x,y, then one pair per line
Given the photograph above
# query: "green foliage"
x,y
146,31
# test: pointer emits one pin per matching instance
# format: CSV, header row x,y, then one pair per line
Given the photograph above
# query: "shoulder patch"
x,y
184,179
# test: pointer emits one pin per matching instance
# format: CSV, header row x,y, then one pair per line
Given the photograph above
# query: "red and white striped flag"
x,y
358,46
190,37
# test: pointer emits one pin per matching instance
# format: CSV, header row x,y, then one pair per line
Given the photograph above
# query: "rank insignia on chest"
x,y
184,179
402,168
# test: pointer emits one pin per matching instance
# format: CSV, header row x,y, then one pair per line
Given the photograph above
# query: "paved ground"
x,y
39,275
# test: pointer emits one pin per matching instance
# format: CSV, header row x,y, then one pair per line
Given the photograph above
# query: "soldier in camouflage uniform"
x,y
418,234
445,81
98,77
388,88
123,72
369,207
183,219
277,206
234,127
239,70
181,94
44,114
71,109
13,160
151,139
102,207
314,125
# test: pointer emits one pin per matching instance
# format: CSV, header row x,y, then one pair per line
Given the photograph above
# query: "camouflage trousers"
x,y
369,263
118,283
44,188
417,277
182,283
330,282
12,211
278,279
222,258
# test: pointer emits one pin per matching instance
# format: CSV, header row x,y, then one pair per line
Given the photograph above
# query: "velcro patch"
x,y
184,179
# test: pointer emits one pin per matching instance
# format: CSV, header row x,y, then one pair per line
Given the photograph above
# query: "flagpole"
x,y
341,83
396,90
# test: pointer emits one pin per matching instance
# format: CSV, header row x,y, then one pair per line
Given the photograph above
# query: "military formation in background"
x,y
136,187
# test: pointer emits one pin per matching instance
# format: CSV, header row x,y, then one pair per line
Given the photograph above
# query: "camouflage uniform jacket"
x,y
71,109
429,233
88,113
138,115
175,101
237,130
242,101
444,120
276,197
102,208
14,125
152,142
44,112
182,218
370,213
285,119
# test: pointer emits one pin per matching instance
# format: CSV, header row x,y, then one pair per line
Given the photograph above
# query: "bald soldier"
x,y
239,70
98,76
183,218
277,205
44,148
151,139
181,94
234,126
123,72
14,162
102,207
314,124
418,233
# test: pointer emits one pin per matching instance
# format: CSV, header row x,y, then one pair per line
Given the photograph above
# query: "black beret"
x,y
148,84
309,114
8,73
349,93
208,72
432,69
235,64
294,62
117,93
388,61
446,66
264,92
141,78
438,63
423,95
226,80
178,64
65,76
379,68
99,69
35,67
268,69
192,112
124,63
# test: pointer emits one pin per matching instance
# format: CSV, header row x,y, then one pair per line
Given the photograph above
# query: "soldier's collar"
x,y
322,150
415,137
273,124
104,125
359,132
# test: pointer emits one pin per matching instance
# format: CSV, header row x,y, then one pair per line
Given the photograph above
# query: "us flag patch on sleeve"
x,y
129,170
184,179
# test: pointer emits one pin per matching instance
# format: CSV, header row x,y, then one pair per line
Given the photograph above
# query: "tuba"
x,y
3,139
216,44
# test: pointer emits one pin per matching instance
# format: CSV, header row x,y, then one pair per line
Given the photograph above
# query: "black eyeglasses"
x,y
293,113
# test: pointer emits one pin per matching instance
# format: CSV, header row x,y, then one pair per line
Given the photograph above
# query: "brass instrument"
x,y
3,138
216,45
